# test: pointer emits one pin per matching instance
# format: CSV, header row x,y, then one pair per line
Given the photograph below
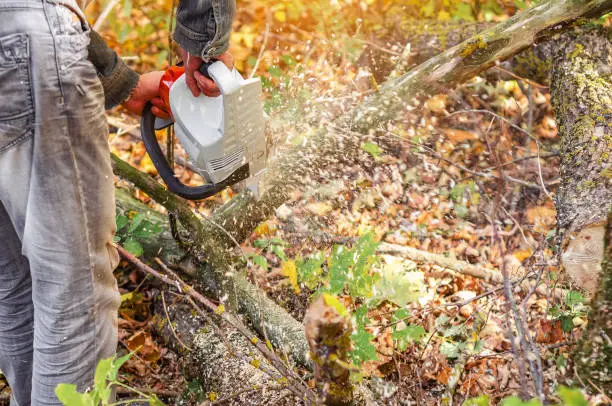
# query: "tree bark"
x,y
427,38
593,355
210,356
582,98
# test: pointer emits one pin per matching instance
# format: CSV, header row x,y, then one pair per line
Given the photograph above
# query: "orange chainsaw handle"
x,y
170,76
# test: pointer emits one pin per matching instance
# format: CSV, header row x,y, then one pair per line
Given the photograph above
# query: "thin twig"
x,y
263,45
502,118
514,75
109,7
163,296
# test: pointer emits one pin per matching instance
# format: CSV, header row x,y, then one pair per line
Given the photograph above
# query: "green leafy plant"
x,y
106,376
131,230
573,306
569,397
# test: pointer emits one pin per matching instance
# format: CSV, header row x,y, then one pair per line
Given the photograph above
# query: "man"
x,y
58,296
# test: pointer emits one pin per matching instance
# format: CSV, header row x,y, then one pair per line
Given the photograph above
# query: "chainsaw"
x,y
223,136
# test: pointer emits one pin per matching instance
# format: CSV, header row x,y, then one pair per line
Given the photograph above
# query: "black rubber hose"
x,y
147,131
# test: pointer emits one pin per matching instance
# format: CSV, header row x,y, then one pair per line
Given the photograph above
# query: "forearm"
x,y
203,27
117,78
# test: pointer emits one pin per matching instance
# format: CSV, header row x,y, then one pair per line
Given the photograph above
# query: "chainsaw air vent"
x,y
231,159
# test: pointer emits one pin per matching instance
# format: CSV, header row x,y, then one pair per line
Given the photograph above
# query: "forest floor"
x,y
434,184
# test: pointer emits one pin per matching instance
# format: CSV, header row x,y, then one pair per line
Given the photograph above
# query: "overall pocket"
x,y
71,34
17,105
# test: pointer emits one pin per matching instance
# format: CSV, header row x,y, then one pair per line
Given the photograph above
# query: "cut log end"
x,y
582,257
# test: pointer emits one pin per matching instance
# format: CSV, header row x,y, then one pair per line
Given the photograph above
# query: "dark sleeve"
x,y
117,78
203,27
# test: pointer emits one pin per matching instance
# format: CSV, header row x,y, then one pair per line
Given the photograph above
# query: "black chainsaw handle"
x,y
147,131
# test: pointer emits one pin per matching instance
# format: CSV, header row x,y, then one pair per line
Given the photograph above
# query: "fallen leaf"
x,y
459,136
319,208
143,343
289,269
549,332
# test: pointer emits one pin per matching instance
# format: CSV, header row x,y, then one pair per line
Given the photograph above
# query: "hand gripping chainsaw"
x,y
223,136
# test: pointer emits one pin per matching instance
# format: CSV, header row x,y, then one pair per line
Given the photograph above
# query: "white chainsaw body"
x,y
221,134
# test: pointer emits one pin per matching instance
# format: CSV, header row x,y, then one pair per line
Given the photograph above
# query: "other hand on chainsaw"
x,y
196,81
147,90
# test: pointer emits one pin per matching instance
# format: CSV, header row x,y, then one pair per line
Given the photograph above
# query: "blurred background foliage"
x,y
295,33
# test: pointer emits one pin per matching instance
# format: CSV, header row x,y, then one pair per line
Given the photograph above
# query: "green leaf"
x,y
461,211
332,301
288,59
567,324
101,392
339,264
361,317
407,335
135,223
133,247
520,4
261,243
251,60
121,221
400,314
260,261
117,363
102,371
571,397
279,251
560,361
482,400
399,282
429,9
412,333
275,71
68,395
554,311
452,350
127,8
371,149
362,281
516,401
154,401
456,193
463,11
147,229
363,350
573,298
310,270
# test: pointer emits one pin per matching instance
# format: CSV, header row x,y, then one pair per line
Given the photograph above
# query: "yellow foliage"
x,y
289,269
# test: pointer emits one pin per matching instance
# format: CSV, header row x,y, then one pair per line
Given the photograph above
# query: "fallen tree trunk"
x,y
582,98
210,357
469,58
284,331
424,39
